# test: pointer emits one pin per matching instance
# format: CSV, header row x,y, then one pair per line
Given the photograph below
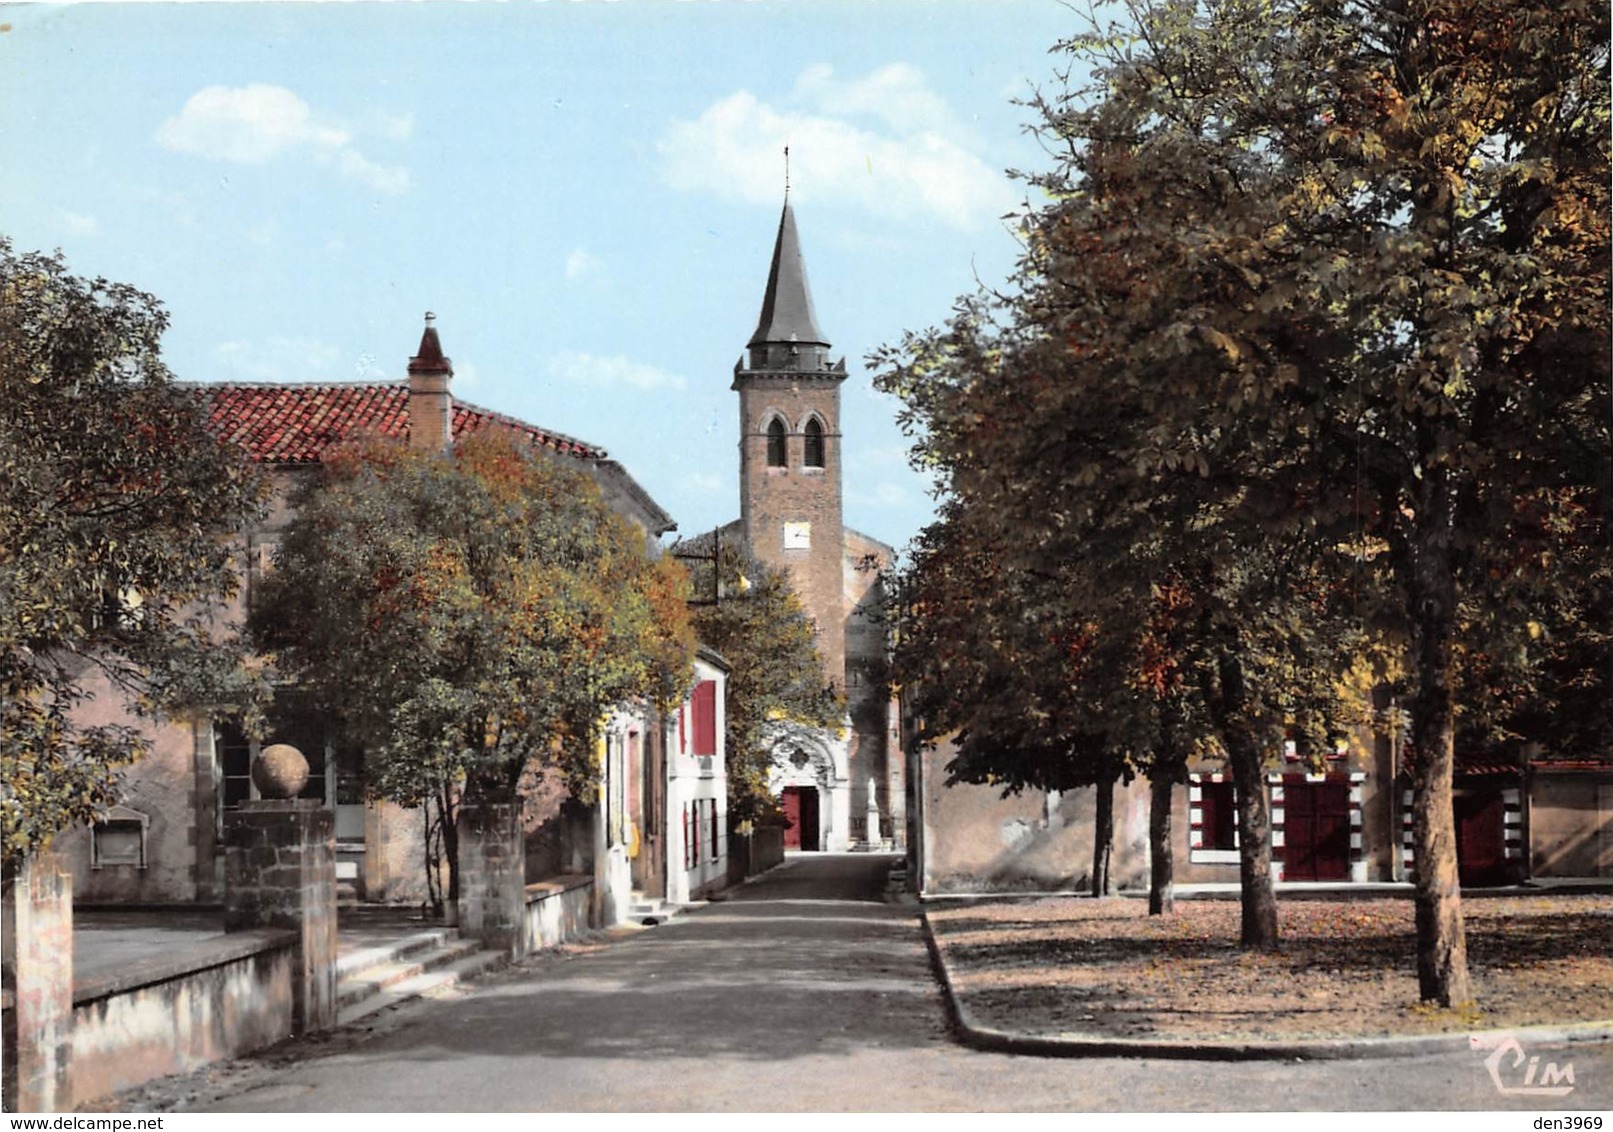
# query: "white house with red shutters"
x,y
697,787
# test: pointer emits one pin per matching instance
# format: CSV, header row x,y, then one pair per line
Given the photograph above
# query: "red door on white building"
x,y
1316,830
1480,838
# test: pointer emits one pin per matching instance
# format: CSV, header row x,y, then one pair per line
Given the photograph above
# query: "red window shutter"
x,y
704,706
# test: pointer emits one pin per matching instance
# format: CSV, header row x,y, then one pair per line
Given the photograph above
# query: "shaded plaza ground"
x,y
1072,966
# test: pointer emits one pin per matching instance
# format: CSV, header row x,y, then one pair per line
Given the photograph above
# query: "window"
x,y
120,839
813,455
711,806
1218,820
234,765
775,444
703,706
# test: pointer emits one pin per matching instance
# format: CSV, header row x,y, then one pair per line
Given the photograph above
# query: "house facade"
x,y
1348,822
161,844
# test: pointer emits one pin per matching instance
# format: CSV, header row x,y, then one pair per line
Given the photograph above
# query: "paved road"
x,y
802,992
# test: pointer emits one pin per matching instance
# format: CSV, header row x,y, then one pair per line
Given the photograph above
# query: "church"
x,y
846,791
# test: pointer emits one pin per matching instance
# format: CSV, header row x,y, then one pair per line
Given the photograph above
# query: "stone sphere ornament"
x,y
279,771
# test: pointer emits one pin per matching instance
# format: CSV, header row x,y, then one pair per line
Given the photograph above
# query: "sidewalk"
x,y
1076,977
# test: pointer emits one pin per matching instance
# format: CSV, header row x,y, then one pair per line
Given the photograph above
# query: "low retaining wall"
x,y
176,1013
754,852
557,910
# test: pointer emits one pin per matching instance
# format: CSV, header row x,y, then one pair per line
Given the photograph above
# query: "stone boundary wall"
x,y
557,910
171,1016
750,854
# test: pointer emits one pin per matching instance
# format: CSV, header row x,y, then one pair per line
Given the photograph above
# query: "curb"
x,y
972,1033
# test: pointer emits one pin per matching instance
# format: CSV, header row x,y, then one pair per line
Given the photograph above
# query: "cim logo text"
x,y
1517,1074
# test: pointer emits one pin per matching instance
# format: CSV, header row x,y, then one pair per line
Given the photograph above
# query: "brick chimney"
x,y
431,406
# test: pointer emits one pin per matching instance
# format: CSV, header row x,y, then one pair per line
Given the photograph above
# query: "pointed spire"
x,y
787,317
430,359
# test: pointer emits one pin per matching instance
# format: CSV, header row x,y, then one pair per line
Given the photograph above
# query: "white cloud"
x,y
255,124
896,94
383,178
277,359
582,263
705,483
77,223
611,373
886,143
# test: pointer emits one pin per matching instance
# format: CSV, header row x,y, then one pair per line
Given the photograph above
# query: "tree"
x,y
747,611
1339,271
118,511
467,614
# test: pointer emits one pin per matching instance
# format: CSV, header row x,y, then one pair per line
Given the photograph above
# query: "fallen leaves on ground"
x,y
1345,968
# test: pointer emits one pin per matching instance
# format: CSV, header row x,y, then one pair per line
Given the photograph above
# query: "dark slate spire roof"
x,y
787,306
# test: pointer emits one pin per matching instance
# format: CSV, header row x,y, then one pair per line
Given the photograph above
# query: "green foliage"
x,y
465,614
117,515
754,619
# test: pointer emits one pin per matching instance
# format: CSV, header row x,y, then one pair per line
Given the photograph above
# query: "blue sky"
x,y
585,193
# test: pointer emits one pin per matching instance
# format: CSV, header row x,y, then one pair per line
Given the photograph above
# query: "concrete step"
x,y
363,982
392,950
432,980
652,911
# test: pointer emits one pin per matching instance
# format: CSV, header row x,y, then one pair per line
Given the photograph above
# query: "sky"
x,y
585,193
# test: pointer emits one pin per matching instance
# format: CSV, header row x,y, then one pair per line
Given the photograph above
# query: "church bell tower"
x,y
789,447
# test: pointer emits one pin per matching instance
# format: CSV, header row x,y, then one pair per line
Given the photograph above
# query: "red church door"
x,y
1316,831
1481,857
800,806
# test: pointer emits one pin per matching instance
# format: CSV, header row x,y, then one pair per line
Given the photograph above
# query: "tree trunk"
x,y
1237,723
450,853
1161,865
1441,938
1254,843
1103,837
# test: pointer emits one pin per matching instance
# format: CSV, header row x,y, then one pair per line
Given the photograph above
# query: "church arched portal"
x,y
805,778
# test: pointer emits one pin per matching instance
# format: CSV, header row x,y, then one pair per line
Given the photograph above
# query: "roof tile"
x,y
294,424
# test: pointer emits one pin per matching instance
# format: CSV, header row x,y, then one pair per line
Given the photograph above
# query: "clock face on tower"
x,y
797,536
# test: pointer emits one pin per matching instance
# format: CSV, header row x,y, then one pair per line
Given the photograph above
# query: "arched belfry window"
x,y
813,454
775,443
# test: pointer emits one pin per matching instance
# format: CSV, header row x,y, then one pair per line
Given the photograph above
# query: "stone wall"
x,y
492,873
1571,824
557,911
157,1018
750,854
38,986
976,840
280,872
